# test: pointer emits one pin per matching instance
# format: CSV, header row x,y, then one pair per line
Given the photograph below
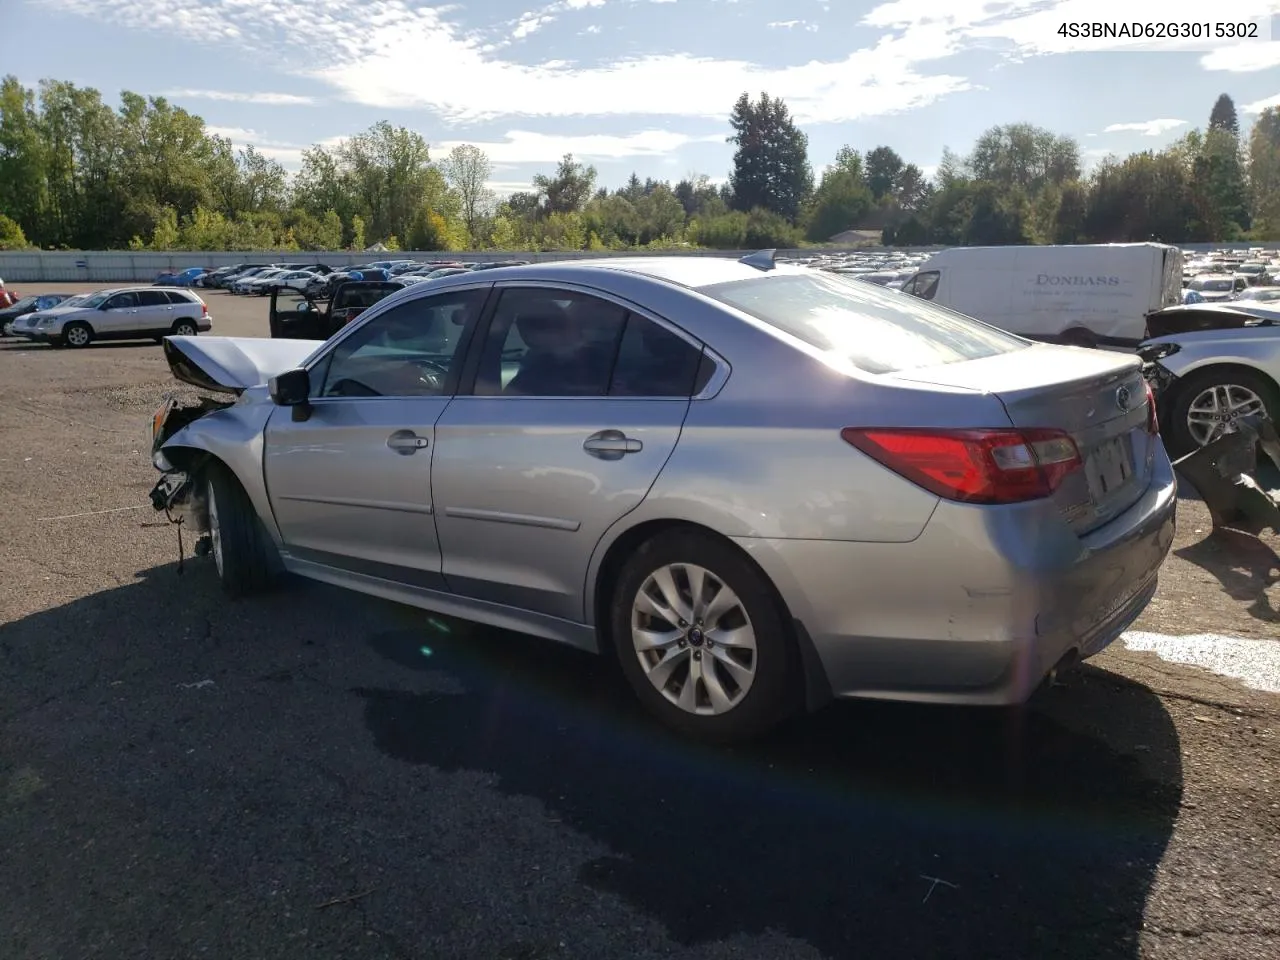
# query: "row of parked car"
x,y
315,279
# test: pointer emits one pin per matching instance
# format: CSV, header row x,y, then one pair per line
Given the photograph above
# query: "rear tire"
x,y
242,551
724,672
184,328
77,335
1233,385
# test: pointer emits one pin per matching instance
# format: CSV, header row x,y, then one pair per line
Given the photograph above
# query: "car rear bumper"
x,y
981,606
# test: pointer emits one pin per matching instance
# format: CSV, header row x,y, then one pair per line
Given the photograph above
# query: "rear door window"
x,y
878,331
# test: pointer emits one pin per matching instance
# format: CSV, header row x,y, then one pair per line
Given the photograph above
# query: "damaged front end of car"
x,y
1224,471
174,493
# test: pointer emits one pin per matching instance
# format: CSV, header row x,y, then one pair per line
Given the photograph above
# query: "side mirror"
x,y
290,389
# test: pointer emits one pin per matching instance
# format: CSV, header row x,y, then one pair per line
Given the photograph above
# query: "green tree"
x,y
164,235
1264,174
883,169
357,232
1223,116
467,170
568,189
771,163
842,199
11,235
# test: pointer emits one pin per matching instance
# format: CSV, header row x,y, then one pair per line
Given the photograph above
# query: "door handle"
x,y
406,442
611,445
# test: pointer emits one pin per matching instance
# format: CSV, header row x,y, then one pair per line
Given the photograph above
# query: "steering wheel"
x,y
432,372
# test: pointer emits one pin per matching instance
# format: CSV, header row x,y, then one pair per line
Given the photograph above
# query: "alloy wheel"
x,y
215,528
1215,410
694,639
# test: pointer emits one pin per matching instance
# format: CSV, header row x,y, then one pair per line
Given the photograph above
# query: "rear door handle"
x,y
611,445
406,442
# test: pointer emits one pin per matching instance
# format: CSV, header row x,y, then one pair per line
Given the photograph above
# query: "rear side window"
x,y
877,330
181,299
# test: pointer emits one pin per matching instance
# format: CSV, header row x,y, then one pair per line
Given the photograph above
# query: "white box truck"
x,y
1088,294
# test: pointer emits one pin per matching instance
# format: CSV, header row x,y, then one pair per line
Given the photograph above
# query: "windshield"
x,y
27,302
1212,285
877,331
95,300
1265,295
1250,268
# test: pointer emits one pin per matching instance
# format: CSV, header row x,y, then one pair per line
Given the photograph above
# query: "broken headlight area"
x,y
176,413
1156,373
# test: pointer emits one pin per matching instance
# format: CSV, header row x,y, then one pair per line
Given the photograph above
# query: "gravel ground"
x,y
320,774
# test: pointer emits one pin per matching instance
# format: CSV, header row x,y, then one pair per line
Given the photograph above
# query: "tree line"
x,y
77,173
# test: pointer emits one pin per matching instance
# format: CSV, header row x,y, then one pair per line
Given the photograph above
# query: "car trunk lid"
x,y
1098,397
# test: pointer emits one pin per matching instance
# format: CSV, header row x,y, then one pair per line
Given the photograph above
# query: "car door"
x,y
558,436
350,484
119,315
155,311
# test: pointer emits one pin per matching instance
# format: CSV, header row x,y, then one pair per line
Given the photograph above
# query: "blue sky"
x,y
647,85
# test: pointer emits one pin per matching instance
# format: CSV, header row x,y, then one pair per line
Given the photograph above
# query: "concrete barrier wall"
x,y
125,266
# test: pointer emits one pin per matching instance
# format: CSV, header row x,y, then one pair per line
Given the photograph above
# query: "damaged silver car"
x,y
755,486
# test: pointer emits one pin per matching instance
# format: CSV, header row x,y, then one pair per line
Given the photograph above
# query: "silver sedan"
x,y
754,486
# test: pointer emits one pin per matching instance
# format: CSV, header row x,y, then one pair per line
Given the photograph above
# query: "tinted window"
x,y
876,330
181,299
550,343
408,351
152,298
924,286
123,301
653,362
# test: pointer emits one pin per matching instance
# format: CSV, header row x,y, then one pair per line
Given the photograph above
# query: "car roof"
x,y
686,271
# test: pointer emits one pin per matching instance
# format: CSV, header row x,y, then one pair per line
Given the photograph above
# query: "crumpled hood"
x,y
233,364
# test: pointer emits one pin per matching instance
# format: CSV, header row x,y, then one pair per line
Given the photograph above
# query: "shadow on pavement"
x,y
869,830
1245,564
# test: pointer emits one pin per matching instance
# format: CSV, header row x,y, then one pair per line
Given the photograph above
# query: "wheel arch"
x,y
1213,366
814,687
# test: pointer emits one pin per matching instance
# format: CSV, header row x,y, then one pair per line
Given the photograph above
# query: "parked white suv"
x,y
126,313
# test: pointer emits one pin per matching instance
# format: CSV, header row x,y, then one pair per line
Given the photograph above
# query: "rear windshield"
x,y
1213,286
877,330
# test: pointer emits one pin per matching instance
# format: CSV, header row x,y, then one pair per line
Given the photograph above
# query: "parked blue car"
x,y
186,278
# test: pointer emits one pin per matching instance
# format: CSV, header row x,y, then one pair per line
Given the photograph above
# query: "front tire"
x,y
241,550
1206,397
77,335
701,638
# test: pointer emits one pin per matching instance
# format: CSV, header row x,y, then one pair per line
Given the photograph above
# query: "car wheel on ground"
x,y
77,334
1209,402
184,328
700,636
240,548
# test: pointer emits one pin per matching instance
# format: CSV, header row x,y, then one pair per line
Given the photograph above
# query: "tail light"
x,y
973,466
1153,421
204,309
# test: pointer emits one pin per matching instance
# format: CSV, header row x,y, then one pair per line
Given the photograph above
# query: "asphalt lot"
x,y
319,774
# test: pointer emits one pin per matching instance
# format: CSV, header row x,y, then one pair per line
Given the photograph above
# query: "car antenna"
x,y
761,259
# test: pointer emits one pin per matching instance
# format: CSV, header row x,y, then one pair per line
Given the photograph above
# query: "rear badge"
x,y
1122,398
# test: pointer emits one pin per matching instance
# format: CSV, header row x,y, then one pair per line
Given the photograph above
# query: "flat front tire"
x,y
242,553
701,638
1208,403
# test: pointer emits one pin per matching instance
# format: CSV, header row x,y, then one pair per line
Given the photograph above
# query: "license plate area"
x,y
1109,467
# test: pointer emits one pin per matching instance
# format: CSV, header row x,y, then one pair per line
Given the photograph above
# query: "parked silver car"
x,y
756,486
125,313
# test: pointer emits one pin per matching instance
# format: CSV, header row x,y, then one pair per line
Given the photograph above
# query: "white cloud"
x,y
1257,106
594,28
396,54
1148,128
520,146
1243,58
790,24
273,99
535,20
